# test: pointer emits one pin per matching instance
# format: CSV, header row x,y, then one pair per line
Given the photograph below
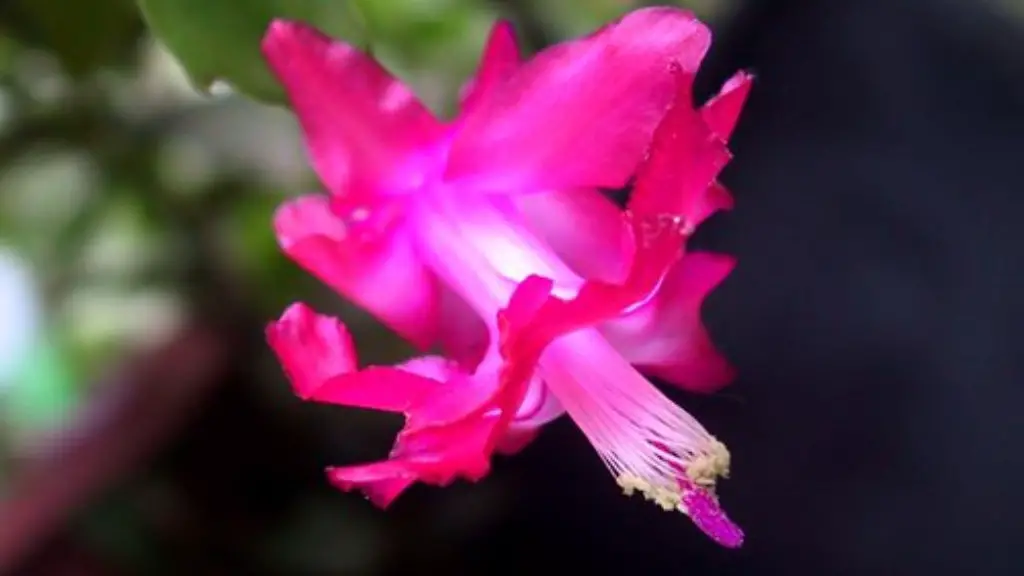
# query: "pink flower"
x,y
487,236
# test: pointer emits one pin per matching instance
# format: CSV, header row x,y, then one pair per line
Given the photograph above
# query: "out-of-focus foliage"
x,y
220,39
83,35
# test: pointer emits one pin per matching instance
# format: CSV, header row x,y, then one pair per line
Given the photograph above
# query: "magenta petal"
x,y
381,482
685,158
665,337
376,388
672,183
379,271
723,111
539,407
320,360
359,121
437,456
584,228
311,348
500,59
675,190
437,444
428,451
598,98
456,394
463,336
516,438
716,198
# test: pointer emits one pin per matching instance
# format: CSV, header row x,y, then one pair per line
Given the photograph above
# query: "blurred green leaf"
x,y
220,39
45,391
256,252
432,45
83,35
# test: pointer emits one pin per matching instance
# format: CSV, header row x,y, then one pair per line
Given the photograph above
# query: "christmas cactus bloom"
x,y
487,237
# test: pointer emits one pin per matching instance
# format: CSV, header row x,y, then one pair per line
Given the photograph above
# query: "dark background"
x,y
875,319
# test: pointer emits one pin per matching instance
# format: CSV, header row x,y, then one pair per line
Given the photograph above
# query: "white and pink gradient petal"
x,y
482,248
584,228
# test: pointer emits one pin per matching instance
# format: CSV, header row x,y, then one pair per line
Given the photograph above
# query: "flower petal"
x,y
451,433
675,190
581,113
378,270
446,435
444,438
723,111
683,161
587,230
717,197
584,228
464,336
381,482
538,407
319,358
500,60
359,122
665,338
514,371
436,457
317,354
720,114
311,348
685,157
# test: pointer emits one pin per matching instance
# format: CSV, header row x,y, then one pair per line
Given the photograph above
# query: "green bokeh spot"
x,y
44,392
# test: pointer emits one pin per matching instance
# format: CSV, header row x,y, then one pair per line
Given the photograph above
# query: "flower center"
x,y
479,247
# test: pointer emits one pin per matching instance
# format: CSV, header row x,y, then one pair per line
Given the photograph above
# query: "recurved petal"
x,y
437,444
581,113
375,268
360,123
319,358
311,348
665,337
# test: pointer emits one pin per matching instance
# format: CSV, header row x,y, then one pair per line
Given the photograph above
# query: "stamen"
x,y
703,472
708,467
650,445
